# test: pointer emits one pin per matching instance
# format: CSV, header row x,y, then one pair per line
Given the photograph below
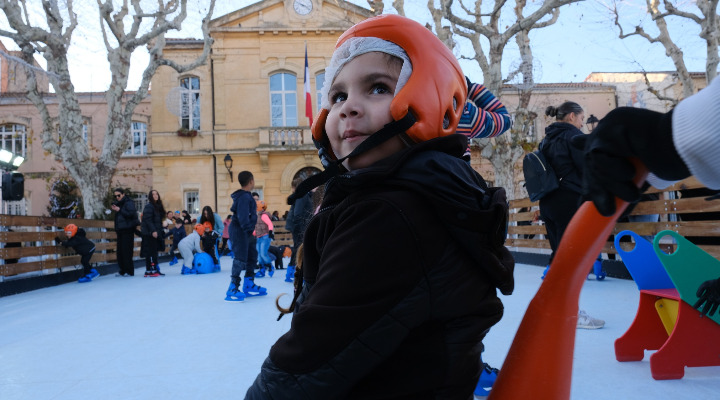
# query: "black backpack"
x,y
540,178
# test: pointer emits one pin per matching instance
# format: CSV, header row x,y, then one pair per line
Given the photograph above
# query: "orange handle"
x,y
539,363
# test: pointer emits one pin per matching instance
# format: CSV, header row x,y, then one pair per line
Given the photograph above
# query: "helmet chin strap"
x,y
332,167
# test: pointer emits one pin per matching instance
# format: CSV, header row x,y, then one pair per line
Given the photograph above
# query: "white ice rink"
x,y
174,337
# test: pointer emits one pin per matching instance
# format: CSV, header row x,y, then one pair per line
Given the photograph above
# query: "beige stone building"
x,y
247,104
20,128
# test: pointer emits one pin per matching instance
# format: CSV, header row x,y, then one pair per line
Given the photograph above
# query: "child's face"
x,y
360,100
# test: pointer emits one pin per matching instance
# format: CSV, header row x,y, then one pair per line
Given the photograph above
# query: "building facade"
x,y
247,104
21,127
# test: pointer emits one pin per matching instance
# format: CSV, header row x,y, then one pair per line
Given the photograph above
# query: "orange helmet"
x,y
261,206
436,90
71,230
207,225
200,229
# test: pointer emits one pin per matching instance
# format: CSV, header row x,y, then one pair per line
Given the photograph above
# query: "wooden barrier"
x,y
668,207
27,244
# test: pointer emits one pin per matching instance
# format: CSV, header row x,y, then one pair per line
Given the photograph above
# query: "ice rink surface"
x,y
175,337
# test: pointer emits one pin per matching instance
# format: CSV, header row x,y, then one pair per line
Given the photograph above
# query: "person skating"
x,y
264,234
244,210
83,247
209,240
188,246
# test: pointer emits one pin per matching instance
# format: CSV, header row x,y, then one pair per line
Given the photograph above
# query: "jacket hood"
x,y
475,215
238,193
556,128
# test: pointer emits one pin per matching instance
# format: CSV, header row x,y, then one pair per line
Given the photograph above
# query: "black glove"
x,y
58,240
272,235
627,132
709,295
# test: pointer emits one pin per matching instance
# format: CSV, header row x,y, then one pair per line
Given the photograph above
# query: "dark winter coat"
x,y
566,160
299,216
80,243
401,323
178,234
151,222
126,218
244,210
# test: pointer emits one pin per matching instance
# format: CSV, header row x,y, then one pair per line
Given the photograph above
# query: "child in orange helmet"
x,y
407,323
83,246
208,239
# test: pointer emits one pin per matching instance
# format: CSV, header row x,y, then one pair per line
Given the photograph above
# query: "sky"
x,y
584,40
174,337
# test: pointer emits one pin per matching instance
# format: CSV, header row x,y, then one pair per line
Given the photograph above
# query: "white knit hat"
x,y
356,46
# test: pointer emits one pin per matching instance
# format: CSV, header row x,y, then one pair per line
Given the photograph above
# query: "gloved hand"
x,y
58,240
272,235
709,295
627,132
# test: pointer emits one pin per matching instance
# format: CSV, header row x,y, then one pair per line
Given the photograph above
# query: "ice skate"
x,y
487,379
271,270
174,261
251,289
152,273
598,270
233,294
188,271
260,273
290,273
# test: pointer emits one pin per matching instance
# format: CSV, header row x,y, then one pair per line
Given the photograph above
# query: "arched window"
x,y
190,103
13,139
319,79
283,99
306,173
138,146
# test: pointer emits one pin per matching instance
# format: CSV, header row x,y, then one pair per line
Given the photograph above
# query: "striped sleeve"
x,y
696,134
484,115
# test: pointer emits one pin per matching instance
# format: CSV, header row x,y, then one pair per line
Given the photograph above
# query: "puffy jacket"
x,y
406,323
566,160
126,219
80,243
244,217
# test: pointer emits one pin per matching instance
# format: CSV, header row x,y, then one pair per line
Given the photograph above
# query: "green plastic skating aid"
x,y
688,267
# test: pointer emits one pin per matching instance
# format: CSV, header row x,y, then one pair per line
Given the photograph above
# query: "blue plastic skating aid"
x,y
203,263
233,294
545,271
643,264
251,289
216,268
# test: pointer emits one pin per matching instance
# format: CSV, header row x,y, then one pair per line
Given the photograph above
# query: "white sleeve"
x,y
696,134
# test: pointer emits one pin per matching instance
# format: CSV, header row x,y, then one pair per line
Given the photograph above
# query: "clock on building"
x,y
303,7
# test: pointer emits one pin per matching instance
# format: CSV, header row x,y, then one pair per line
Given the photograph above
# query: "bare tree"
x,y
147,29
708,20
473,25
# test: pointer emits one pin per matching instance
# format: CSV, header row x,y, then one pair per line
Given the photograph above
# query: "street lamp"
x,y
592,122
228,164
10,161
13,187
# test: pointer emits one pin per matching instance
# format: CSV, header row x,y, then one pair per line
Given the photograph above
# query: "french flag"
x,y
308,100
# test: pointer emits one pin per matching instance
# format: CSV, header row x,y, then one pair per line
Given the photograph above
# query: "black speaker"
x,y
13,186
